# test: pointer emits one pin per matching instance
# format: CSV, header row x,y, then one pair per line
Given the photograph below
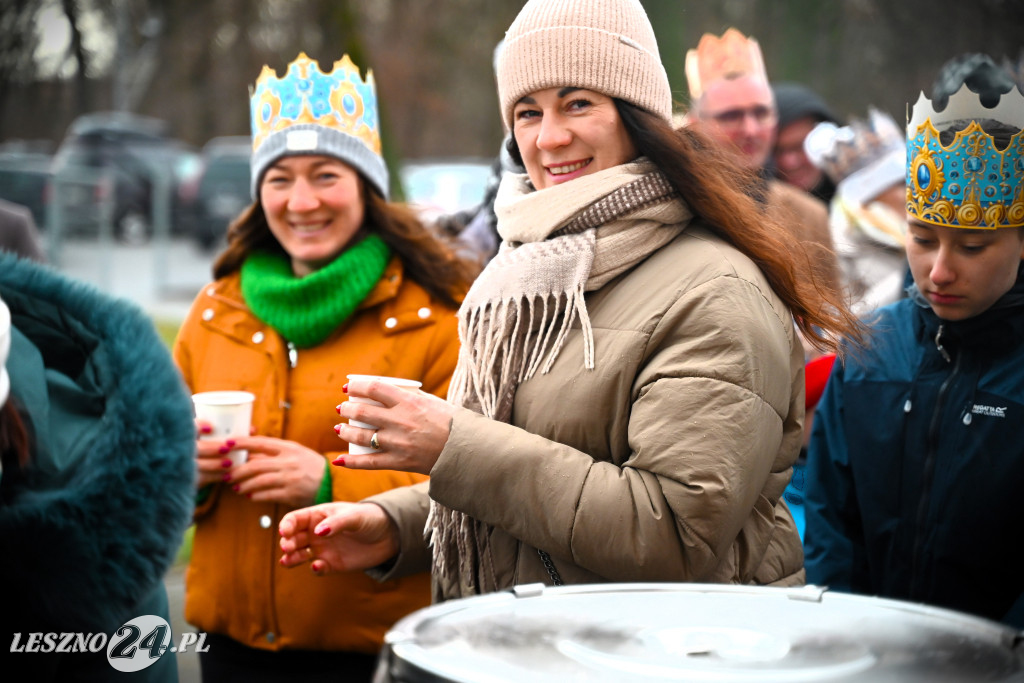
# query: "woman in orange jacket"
x,y
322,278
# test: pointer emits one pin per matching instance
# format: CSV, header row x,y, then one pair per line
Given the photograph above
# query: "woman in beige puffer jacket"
x,y
629,395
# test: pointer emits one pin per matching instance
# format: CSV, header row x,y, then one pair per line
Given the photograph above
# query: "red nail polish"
x,y
236,488
322,532
337,429
226,477
223,450
337,409
226,462
340,462
230,442
206,429
345,388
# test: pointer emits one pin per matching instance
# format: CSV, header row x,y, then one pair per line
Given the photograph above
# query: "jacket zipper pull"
x,y
938,345
293,355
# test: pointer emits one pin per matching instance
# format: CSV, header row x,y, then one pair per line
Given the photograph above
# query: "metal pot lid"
x,y
696,632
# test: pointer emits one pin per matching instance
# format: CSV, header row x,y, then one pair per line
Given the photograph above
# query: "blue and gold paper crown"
x,y
312,112
970,183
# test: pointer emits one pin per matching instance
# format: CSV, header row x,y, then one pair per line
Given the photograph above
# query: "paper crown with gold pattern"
x,y
312,112
968,183
863,159
716,58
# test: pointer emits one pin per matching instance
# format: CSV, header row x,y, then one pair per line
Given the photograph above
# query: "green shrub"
x,y
185,551
168,330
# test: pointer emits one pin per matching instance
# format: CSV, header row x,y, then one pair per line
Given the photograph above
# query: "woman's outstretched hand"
x,y
336,537
412,427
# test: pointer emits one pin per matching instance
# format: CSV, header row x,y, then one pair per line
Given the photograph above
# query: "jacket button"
x,y
257,337
208,314
265,521
423,313
390,323
210,291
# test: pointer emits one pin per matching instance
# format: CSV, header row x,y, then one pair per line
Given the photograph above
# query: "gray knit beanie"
x,y
607,46
312,112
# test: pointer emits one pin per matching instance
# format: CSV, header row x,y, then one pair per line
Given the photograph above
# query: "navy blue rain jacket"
x,y
915,476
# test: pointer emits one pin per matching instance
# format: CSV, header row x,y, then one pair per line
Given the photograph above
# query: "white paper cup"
x,y
229,413
410,384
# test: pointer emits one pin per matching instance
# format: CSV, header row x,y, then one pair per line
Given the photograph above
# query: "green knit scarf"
x,y
306,310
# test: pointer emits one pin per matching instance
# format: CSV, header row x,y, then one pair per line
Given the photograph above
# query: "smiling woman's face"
x,y
565,133
314,207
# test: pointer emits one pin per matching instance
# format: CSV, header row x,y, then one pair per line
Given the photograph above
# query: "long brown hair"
x,y
714,187
428,259
14,441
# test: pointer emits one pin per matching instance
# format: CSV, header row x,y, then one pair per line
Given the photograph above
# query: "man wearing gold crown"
x,y
732,102
916,462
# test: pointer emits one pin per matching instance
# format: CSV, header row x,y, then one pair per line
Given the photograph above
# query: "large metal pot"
x,y
694,632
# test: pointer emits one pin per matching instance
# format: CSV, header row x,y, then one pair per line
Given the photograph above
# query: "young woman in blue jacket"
x,y
916,461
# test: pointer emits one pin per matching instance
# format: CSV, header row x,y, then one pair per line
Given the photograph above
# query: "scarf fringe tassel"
x,y
539,327
494,359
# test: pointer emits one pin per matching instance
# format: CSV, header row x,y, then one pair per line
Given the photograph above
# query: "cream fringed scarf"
x,y
558,243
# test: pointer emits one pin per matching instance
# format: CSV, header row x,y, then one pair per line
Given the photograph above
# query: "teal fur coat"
x,y
91,524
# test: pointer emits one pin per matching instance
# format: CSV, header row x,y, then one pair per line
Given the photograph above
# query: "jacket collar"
x,y
387,287
998,330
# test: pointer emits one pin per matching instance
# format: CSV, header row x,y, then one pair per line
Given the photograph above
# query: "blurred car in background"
x,y
219,191
440,187
24,175
117,161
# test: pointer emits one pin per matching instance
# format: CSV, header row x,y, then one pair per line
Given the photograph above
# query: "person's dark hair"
x,y
978,72
713,187
428,260
14,441
1001,132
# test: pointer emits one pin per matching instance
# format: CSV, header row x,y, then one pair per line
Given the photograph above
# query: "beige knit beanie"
x,y
607,46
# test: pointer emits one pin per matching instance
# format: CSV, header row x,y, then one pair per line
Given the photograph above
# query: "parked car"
x,y
120,159
221,188
24,175
438,187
